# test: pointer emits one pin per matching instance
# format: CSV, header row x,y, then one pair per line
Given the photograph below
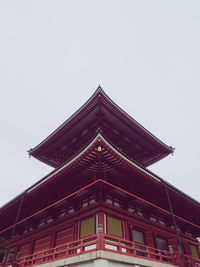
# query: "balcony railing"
x,y
102,242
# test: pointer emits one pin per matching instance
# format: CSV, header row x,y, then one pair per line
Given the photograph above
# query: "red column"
x,y
126,230
100,230
76,230
187,250
31,248
149,238
53,240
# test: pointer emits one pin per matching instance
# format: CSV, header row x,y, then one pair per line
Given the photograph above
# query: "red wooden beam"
x,y
111,185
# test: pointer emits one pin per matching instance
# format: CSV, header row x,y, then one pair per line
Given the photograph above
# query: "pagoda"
x,y
101,205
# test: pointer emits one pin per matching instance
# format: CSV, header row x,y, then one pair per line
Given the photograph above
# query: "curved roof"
x,y
100,158
101,114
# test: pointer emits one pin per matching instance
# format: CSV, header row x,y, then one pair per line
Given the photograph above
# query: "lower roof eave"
x,y
98,138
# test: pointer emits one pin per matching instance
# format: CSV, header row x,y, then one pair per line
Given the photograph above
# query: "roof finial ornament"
x,y
99,90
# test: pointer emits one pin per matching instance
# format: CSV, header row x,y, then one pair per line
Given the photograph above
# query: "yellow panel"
x,y
11,253
114,226
87,227
194,252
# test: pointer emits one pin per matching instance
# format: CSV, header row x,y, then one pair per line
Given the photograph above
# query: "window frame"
x,y
163,238
138,230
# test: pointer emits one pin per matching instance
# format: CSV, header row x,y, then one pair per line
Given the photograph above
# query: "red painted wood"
x,y
126,230
24,250
96,242
112,186
149,238
126,184
42,244
101,208
100,114
64,236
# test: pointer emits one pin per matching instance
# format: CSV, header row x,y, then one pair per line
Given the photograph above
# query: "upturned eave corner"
x,y
99,109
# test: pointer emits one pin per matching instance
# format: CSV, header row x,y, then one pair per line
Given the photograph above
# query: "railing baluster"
x,y
148,253
67,251
103,242
119,248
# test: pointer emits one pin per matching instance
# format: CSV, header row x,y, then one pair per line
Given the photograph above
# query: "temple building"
x,y
101,205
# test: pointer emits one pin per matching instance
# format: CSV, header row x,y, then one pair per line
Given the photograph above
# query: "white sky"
x,y
54,54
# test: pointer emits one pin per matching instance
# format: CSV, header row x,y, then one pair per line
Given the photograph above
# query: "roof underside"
x,y
104,163
100,114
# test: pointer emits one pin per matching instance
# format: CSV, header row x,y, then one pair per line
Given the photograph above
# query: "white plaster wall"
x,y
103,263
107,263
94,263
104,259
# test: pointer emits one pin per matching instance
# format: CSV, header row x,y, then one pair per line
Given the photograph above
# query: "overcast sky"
x,y
54,54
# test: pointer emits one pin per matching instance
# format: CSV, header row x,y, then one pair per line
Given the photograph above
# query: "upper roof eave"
x,y
171,149
99,91
32,150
